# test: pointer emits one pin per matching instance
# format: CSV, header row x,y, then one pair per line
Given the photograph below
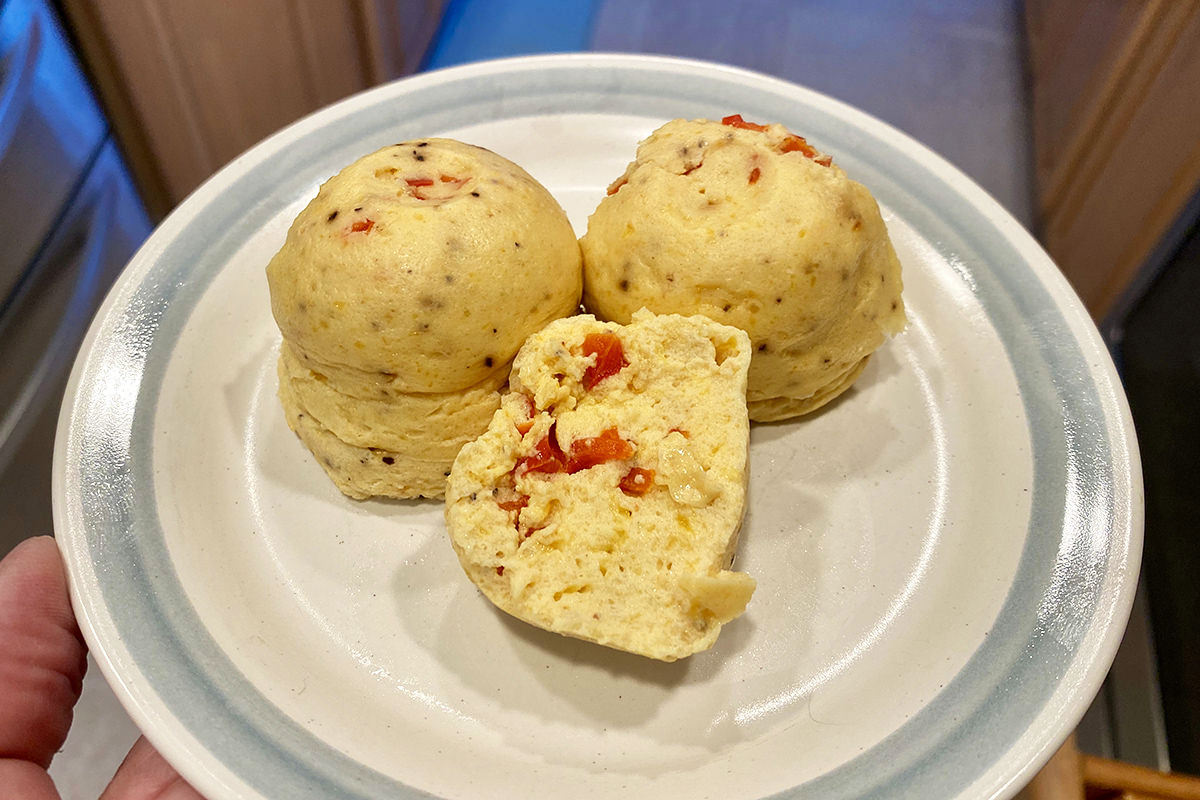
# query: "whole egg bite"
x,y
604,500
402,292
753,227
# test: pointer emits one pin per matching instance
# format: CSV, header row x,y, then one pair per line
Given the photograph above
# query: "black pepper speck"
x,y
332,216
389,460
487,362
419,157
624,284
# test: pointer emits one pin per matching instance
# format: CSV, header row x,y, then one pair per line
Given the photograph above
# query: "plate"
x,y
945,557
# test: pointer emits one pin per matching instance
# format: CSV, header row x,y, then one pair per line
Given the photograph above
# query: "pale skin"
x,y
42,661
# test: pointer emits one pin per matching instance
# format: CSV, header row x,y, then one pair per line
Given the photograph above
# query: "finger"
x,y
42,655
26,781
145,775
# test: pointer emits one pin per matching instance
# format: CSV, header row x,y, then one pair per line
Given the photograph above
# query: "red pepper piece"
x,y
794,143
547,456
447,179
755,174
526,533
520,502
736,121
610,357
362,226
523,427
587,453
616,185
500,570
637,481
530,409
417,184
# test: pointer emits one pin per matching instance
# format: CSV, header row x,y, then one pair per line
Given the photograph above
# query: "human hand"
x,y
42,662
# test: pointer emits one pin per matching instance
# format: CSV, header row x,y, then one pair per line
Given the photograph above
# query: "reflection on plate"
x,y
945,555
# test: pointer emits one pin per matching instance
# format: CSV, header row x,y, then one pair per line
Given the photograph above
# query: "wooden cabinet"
x,y
1116,119
189,85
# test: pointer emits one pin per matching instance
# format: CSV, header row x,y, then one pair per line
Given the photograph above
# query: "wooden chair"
x,y
1071,775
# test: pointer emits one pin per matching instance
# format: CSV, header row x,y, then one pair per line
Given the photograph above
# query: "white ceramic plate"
x,y
945,557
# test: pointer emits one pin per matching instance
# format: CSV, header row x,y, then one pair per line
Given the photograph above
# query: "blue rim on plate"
x,y
997,721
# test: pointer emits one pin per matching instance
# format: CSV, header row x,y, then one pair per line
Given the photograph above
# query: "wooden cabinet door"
x,y
189,85
1116,117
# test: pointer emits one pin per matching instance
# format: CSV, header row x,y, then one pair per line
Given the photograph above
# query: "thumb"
x,y
42,655
42,661
145,775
